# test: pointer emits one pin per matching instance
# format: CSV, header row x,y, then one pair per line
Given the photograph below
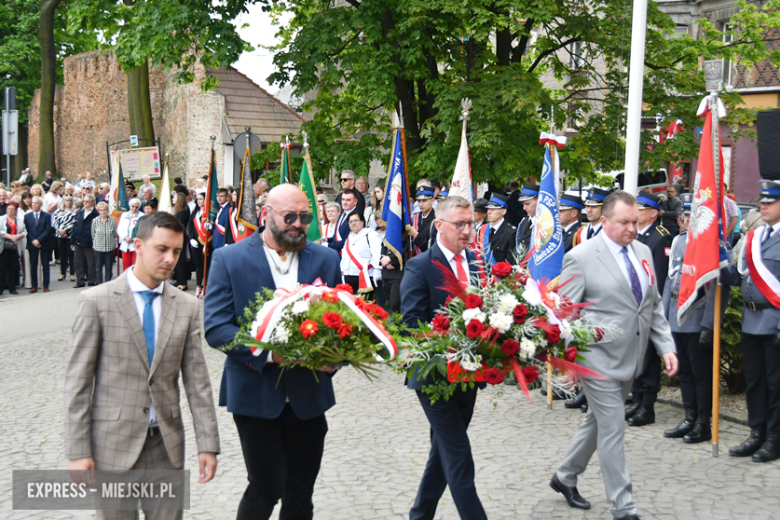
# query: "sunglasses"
x,y
290,218
345,180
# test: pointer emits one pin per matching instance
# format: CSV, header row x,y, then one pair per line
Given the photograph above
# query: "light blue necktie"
x,y
149,324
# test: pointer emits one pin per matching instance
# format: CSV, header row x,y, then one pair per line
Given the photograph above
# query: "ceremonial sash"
x,y
273,310
239,231
200,227
221,229
762,277
364,284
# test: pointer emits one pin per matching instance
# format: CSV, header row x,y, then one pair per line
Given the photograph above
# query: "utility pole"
x,y
10,130
635,87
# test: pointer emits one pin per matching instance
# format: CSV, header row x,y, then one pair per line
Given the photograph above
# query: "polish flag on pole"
x,y
461,180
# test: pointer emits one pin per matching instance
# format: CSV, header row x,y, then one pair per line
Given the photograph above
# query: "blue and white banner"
x,y
547,247
395,210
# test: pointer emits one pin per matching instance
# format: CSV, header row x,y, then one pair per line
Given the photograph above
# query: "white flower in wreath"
x,y
473,314
254,328
280,335
556,300
527,348
501,321
507,303
566,330
470,365
300,307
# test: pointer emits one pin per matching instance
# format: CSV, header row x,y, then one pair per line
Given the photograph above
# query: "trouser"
x,y
9,269
197,258
182,271
354,282
104,262
649,381
282,458
695,370
761,358
84,257
128,259
44,255
153,456
56,250
603,429
66,256
450,462
392,286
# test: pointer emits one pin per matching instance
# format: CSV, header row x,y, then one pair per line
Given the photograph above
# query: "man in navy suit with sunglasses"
x,y
280,420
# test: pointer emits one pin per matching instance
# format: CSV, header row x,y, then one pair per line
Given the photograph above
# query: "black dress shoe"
x,y
770,450
570,493
684,427
701,431
584,408
13,291
577,402
645,415
79,286
91,284
751,445
633,409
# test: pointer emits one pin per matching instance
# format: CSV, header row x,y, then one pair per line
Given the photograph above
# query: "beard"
x,y
290,239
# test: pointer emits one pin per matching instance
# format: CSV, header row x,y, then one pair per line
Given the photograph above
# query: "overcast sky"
x,y
258,65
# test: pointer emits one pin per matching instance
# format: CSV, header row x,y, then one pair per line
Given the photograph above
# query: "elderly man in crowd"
x,y
103,189
81,240
148,184
361,184
40,241
147,194
260,188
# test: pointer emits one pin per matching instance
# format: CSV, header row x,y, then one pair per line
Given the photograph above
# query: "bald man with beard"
x,y
280,415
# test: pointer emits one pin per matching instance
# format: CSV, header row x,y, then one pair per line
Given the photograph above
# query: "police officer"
x,y
693,339
570,208
651,233
593,211
758,270
498,235
529,196
422,231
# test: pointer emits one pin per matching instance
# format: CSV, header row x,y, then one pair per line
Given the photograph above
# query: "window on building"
x,y
680,30
577,55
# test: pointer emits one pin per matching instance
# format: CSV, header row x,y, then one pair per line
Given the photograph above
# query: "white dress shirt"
x,y
452,259
615,249
137,287
367,248
282,281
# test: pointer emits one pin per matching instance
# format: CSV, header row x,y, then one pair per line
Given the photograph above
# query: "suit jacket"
x,y
524,232
343,232
426,235
596,279
4,229
108,350
250,386
223,216
42,231
568,236
766,321
659,240
503,244
421,296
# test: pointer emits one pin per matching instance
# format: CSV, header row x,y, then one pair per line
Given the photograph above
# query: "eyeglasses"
x,y
290,218
350,222
345,180
462,224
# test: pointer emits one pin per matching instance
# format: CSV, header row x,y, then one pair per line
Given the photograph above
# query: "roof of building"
x,y
249,105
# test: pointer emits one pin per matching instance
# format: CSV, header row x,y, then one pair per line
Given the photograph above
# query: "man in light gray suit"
x,y
615,276
131,339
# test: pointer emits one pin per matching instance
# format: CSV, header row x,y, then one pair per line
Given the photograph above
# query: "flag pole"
x,y
208,231
718,288
549,365
409,195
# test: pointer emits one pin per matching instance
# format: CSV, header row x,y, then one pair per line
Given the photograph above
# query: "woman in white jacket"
x,y
360,257
124,230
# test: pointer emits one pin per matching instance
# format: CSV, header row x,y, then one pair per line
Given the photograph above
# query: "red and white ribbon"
x,y
555,140
273,310
765,281
364,279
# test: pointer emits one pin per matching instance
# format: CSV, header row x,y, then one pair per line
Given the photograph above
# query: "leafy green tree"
x,y
364,58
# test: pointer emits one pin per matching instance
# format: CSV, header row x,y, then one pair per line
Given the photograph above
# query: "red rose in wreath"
x,y
473,301
441,323
570,354
331,319
474,329
510,347
520,313
599,334
493,376
502,270
309,328
344,287
531,374
553,334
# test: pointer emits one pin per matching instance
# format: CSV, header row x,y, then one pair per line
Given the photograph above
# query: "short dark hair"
x,y
514,185
157,219
180,188
359,215
608,207
352,191
223,190
177,180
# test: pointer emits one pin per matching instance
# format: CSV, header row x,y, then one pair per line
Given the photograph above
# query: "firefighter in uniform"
x,y
593,212
652,234
498,235
758,271
529,196
570,208
422,231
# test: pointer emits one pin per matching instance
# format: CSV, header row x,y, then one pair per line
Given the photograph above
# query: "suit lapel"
x,y
258,254
438,255
771,241
164,328
304,265
605,256
129,313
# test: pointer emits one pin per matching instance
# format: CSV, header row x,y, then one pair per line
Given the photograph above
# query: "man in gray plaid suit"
x,y
131,339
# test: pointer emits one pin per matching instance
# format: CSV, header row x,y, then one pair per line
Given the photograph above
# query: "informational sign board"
x,y
10,132
137,162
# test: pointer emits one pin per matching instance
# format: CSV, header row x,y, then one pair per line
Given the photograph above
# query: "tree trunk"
x,y
46,152
139,104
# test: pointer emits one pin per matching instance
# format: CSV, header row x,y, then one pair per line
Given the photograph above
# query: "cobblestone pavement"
x,y
377,447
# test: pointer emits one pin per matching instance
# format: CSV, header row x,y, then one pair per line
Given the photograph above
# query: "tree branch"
x,y
552,51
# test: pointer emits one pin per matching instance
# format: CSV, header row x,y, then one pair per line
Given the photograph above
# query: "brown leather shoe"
x,y
34,289
46,289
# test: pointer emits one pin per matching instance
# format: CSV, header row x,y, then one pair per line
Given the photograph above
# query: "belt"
x,y
152,431
755,307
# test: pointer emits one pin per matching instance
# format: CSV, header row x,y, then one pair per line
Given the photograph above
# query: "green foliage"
x,y
732,370
20,48
373,56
